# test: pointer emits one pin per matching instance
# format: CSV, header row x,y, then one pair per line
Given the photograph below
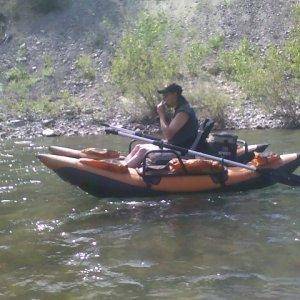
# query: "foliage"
x,y
85,64
16,74
44,106
216,42
48,69
271,78
194,56
18,93
197,52
237,63
142,61
211,102
19,81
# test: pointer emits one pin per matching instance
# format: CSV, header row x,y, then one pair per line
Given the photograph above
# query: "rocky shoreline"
x,y
86,124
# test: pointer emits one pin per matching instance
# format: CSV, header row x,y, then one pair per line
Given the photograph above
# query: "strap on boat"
x,y
220,178
151,179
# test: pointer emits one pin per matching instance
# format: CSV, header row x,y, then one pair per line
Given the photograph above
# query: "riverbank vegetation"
x,y
145,59
272,77
142,62
145,48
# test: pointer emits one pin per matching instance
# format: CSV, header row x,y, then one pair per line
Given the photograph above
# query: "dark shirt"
x,y
186,135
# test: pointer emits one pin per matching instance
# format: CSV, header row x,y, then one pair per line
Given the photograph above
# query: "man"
x,y
180,131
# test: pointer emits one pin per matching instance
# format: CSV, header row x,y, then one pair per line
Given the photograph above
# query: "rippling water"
x,y
56,241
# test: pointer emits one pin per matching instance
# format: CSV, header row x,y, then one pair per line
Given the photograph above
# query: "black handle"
x,y
111,131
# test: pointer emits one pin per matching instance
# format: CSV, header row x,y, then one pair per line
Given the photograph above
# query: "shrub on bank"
x,y
19,81
84,64
43,106
21,97
197,52
194,56
48,68
142,62
209,102
271,78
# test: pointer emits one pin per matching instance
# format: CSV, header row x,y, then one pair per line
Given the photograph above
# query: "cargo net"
x,y
262,160
195,166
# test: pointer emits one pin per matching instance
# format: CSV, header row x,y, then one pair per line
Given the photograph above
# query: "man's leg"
x,y
139,155
136,159
132,153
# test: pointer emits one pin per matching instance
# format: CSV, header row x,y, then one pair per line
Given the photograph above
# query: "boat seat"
x,y
199,144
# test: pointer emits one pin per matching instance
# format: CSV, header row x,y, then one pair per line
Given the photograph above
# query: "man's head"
x,y
170,94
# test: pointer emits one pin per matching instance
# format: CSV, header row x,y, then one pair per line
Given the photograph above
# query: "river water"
x,y
59,242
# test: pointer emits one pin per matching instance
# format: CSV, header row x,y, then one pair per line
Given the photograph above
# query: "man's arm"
x,y
169,130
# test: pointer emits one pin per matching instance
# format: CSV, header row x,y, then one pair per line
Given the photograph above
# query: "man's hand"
x,y
161,108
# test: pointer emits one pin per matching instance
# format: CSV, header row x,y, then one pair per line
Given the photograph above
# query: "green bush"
x,y
292,47
19,81
194,56
210,102
143,62
238,63
216,42
197,52
271,78
85,64
227,3
48,69
44,106
16,74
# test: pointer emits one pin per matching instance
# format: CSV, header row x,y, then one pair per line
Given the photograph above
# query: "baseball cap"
x,y
172,88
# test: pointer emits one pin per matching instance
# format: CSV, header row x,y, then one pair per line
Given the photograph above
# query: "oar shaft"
x,y
118,128
226,161
121,129
182,150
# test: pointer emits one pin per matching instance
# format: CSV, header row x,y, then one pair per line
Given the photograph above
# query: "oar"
x,y
274,175
183,151
136,133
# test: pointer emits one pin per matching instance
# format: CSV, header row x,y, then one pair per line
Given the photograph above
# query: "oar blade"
x,y
291,180
279,176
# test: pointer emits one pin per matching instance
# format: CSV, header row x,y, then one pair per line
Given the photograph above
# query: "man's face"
x,y
170,99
